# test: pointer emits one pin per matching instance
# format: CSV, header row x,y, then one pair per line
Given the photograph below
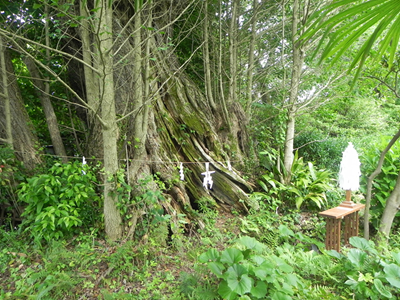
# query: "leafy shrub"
x,y
371,273
244,271
308,185
60,201
324,150
385,181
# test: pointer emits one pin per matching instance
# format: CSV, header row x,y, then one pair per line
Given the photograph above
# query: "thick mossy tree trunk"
x,y
183,130
161,109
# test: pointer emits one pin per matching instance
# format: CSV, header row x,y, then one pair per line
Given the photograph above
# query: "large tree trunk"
x,y
112,217
24,141
162,109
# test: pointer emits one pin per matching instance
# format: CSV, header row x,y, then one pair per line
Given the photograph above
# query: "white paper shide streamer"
x,y
181,172
208,182
349,174
83,164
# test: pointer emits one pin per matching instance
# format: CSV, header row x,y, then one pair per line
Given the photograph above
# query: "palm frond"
x,y
354,19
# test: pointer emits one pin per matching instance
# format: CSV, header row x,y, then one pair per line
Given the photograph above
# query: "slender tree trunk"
x,y
250,70
51,119
298,59
370,181
4,95
233,41
139,107
222,102
391,209
206,55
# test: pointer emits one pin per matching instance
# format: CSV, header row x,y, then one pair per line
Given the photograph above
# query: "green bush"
x,y
307,186
244,271
372,273
324,150
60,201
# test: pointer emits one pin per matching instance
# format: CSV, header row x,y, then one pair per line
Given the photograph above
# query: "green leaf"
x,y
251,243
231,256
240,285
292,279
357,257
47,188
226,292
236,270
281,265
392,273
39,207
396,256
299,202
260,290
280,296
217,268
381,289
210,255
285,231
362,244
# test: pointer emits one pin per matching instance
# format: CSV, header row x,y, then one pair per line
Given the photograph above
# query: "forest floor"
x,y
87,267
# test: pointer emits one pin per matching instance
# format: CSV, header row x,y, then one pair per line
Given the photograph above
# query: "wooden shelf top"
x,y
341,211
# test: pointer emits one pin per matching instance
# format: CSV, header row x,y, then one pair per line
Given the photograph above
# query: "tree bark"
x,y
370,181
4,95
112,217
233,41
90,56
298,59
24,141
391,209
207,64
250,70
51,119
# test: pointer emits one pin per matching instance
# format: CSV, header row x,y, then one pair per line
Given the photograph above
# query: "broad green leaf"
x,y
392,273
217,268
226,292
231,256
299,202
362,244
259,290
284,231
251,243
285,267
381,289
396,256
357,257
210,255
236,270
334,253
240,285
257,259
280,296
292,279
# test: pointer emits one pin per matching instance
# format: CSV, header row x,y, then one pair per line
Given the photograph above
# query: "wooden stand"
x,y
347,210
